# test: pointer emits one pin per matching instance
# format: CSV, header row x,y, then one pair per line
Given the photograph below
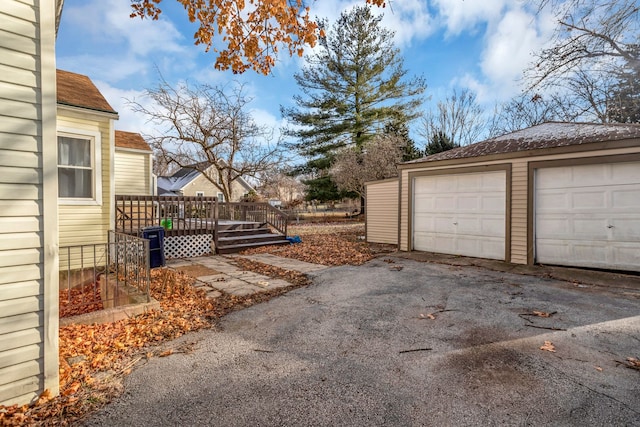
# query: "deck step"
x,y
242,232
229,249
249,238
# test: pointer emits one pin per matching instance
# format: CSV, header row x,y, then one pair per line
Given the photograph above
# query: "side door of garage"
x,y
588,215
460,214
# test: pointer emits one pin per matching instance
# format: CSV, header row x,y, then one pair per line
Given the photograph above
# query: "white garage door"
x,y
460,214
588,216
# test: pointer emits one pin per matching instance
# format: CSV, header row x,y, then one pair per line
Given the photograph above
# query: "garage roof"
x,y
546,135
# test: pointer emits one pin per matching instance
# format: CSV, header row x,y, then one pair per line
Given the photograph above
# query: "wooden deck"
x,y
184,216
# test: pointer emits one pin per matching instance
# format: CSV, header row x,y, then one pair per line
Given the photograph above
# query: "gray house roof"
x,y
546,135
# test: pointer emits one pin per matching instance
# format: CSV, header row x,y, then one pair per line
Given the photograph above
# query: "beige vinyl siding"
x,y
88,223
519,211
211,190
132,172
382,211
404,211
28,206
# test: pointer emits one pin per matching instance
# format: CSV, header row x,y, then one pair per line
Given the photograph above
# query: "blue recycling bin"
x,y
155,236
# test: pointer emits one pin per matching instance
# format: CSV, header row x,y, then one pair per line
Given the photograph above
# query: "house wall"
x,y
88,222
28,202
132,172
381,210
211,190
520,228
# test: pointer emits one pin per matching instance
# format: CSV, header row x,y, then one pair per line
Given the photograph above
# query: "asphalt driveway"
x,y
400,342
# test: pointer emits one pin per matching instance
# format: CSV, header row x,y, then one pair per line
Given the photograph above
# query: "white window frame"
x,y
96,167
221,197
199,193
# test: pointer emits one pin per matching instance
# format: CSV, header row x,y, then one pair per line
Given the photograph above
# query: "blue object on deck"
x,y
155,236
294,239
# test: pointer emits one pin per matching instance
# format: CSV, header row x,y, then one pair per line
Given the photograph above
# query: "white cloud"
x,y
410,19
508,50
114,47
460,16
129,120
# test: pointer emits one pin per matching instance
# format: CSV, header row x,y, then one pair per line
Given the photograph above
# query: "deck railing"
x,y
179,215
254,212
183,215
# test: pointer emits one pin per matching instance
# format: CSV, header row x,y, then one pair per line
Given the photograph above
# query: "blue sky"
x,y
482,45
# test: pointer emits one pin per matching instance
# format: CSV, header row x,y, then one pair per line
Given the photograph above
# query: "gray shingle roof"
x,y
546,135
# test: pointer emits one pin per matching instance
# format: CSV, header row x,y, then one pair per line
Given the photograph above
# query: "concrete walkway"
x,y
282,262
226,277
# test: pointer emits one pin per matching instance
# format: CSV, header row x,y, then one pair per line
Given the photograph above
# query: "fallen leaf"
x,y
542,313
72,389
166,353
548,346
598,368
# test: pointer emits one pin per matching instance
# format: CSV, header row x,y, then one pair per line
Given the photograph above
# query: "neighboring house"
x,y
556,193
189,181
28,202
85,126
133,165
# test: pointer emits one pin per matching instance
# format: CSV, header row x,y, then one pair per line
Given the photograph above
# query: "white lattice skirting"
x,y
187,246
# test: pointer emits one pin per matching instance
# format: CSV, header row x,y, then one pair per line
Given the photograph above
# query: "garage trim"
x,y
532,166
471,169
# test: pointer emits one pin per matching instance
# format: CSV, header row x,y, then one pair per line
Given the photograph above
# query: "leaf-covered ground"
x,y
326,244
95,358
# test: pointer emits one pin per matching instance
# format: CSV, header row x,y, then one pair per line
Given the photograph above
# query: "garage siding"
x,y
382,211
404,210
519,196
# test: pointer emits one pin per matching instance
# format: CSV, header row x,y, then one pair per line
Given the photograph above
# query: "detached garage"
x,y
556,193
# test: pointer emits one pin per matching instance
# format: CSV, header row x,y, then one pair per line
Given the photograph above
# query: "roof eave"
x,y
79,108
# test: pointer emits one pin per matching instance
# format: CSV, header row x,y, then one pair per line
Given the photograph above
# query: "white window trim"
x,y
96,157
220,197
199,193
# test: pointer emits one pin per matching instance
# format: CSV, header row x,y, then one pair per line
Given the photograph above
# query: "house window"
x,y
221,197
199,193
79,168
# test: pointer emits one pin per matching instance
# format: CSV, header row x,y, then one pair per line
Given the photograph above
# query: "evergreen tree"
x,y
351,88
409,149
438,143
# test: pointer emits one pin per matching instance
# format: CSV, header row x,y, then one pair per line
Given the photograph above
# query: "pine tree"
x,y
351,88
438,143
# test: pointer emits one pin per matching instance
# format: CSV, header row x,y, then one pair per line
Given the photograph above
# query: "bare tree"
x,y
592,41
458,118
277,184
377,159
209,129
523,112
